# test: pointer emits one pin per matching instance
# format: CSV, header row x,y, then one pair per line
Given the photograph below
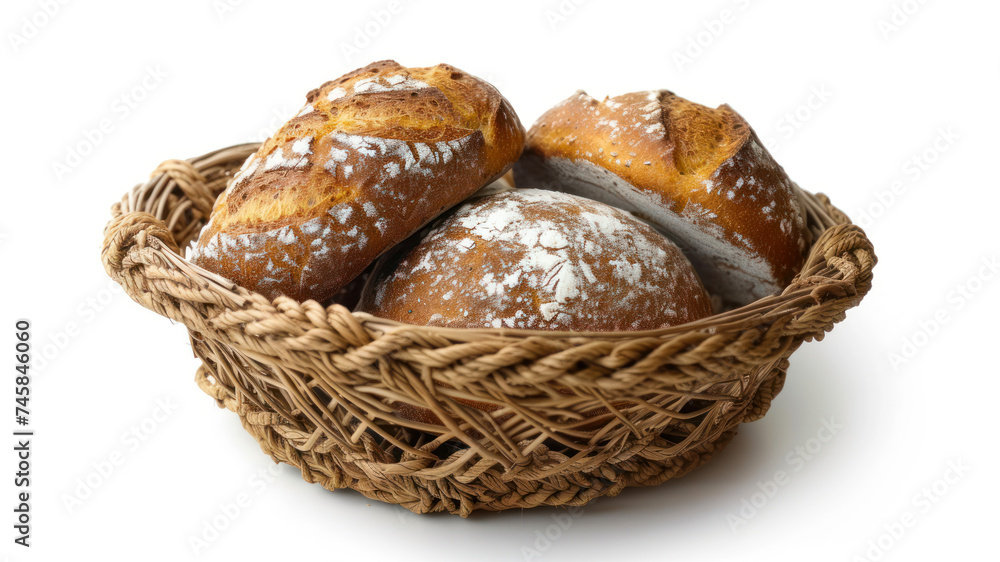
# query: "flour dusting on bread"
x,y
700,175
370,159
534,259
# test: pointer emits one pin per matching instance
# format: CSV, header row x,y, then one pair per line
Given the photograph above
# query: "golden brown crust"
x,y
372,157
533,259
701,175
349,295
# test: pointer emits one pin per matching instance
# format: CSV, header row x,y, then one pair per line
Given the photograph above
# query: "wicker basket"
x,y
313,384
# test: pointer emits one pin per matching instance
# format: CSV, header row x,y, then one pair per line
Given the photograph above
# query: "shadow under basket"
x,y
580,415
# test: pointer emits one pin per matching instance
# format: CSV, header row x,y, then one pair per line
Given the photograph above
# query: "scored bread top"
x,y
542,260
372,156
699,174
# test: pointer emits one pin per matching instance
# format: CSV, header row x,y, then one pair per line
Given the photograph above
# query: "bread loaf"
x,y
700,175
537,260
349,295
373,156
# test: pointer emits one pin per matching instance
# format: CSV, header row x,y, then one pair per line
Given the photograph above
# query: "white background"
x,y
872,92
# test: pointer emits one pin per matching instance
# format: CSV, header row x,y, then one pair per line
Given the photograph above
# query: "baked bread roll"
x,y
349,295
372,157
537,260
700,175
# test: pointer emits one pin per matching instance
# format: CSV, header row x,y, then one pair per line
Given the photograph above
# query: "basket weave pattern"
x,y
313,385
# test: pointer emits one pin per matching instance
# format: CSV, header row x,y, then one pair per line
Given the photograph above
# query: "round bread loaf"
x,y
372,157
541,260
700,175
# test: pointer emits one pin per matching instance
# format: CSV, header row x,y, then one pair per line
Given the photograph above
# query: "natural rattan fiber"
x,y
313,384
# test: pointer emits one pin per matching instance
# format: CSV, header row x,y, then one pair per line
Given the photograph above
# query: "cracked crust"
x,y
700,175
372,157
